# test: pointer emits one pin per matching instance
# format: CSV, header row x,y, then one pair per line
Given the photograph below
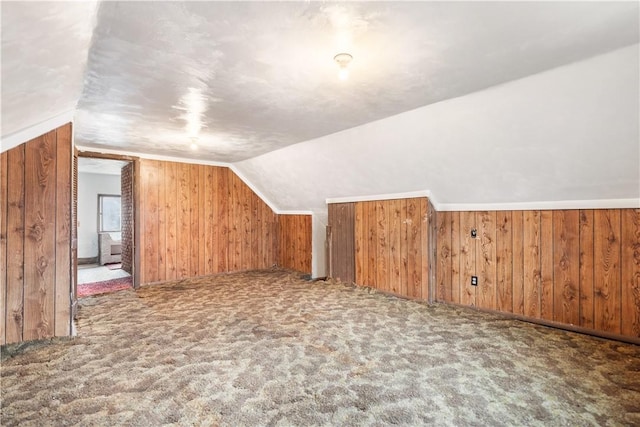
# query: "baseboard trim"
x,y
92,260
551,324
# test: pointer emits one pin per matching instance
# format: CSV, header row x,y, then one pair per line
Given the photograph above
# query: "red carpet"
x,y
96,288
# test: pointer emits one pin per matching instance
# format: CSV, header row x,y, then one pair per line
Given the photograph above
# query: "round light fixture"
x,y
343,60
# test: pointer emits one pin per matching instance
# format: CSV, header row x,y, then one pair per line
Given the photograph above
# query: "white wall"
x,y
567,134
89,186
568,137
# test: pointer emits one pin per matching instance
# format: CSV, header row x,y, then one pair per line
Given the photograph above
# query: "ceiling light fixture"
x,y
343,60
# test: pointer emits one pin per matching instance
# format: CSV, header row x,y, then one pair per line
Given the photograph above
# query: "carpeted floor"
x,y
267,348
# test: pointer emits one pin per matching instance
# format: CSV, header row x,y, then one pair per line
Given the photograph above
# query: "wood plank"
x,y
546,265
3,246
150,191
454,238
372,244
245,194
202,238
382,257
15,243
395,232
486,260
184,221
414,261
256,220
443,271
360,237
171,215
39,248
424,248
630,268
404,250
531,223
235,224
566,260
518,262
467,258
194,213
62,322
586,285
504,261
161,274
607,274
222,219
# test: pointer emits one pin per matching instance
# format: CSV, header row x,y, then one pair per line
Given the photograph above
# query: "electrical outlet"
x,y
474,233
474,280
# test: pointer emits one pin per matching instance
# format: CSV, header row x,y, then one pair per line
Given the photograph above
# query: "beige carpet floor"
x,y
267,348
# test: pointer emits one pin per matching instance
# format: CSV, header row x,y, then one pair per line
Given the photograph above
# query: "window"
x,y
108,213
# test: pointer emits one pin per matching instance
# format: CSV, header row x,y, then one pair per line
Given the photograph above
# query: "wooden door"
x,y
74,236
342,241
126,192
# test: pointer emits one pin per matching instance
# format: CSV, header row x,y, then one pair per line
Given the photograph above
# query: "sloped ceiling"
x,y
243,79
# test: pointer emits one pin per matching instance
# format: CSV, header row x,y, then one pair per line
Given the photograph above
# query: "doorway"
x,y
105,227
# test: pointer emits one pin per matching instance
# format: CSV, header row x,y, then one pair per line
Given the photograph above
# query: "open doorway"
x,y
105,227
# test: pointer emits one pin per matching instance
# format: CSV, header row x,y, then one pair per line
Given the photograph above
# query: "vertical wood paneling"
x,y
532,263
202,217
414,254
395,231
566,261
15,244
454,238
245,203
161,274
424,248
486,260
630,267
235,224
171,199
36,238
372,243
546,265
222,220
586,269
361,240
295,242
183,257
3,246
504,261
444,267
62,317
342,223
150,231
39,247
574,267
467,258
607,286
194,213
404,250
382,257
517,218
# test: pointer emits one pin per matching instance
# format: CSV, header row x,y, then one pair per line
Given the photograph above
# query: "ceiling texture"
x,y
242,79
245,78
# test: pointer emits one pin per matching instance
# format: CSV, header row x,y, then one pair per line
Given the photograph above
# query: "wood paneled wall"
x,y
382,244
35,238
575,267
294,242
198,220
391,246
341,241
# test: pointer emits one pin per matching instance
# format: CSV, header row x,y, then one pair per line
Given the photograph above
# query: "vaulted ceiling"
x,y
242,79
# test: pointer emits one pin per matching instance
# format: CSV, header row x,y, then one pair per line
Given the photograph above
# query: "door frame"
x,y
136,203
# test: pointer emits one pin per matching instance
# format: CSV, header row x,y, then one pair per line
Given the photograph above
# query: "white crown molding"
x,y
20,137
544,205
231,166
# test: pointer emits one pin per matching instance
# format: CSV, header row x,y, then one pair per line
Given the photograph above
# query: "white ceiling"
x,y
100,166
261,76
